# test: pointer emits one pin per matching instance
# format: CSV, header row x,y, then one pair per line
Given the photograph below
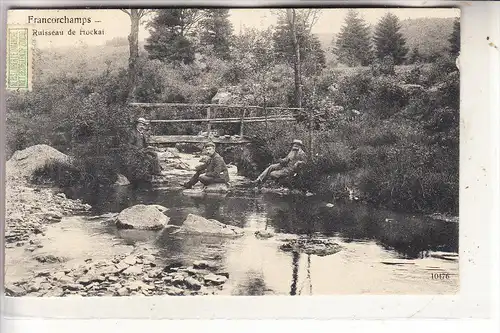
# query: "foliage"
x,y
353,46
216,31
388,39
259,72
414,56
454,39
390,132
312,56
117,41
171,32
84,118
428,35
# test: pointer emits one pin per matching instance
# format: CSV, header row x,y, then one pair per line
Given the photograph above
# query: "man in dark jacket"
x,y
287,166
213,170
139,141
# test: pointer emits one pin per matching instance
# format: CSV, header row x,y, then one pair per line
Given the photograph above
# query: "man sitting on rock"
x,y
212,171
139,140
287,166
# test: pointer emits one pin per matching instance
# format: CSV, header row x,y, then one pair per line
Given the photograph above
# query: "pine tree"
x,y
217,31
454,39
172,35
353,46
311,51
388,40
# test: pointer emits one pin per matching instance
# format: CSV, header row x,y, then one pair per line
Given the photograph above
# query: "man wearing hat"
x,y
139,140
213,170
287,166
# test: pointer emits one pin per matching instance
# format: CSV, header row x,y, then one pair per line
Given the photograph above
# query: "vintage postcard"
x,y
226,152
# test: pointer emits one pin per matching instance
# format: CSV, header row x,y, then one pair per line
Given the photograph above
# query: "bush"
x,y
398,147
62,174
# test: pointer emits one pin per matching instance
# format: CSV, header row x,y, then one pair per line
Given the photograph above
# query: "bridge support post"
x,y
267,123
311,124
209,127
242,122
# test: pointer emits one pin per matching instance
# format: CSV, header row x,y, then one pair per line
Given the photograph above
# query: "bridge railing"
x,y
209,120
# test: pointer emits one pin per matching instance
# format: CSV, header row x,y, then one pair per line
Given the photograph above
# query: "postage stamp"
x,y
233,152
19,60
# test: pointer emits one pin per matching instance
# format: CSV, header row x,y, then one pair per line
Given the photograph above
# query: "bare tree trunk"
x,y
296,63
133,39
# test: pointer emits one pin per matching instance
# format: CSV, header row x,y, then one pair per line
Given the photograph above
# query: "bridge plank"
x,y
164,139
156,105
223,120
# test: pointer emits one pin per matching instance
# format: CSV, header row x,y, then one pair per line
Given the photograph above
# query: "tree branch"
x,y
125,11
143,13
193,17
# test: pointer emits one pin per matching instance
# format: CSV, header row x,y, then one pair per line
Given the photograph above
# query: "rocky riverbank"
x,y
31,210
123,275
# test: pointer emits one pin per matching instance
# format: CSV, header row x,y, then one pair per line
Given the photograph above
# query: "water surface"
x,y
384,252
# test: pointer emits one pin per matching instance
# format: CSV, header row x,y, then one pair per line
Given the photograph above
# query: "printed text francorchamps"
x,y
62,19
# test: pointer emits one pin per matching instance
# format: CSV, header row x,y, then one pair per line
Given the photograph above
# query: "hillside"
x,y
429,35
90,60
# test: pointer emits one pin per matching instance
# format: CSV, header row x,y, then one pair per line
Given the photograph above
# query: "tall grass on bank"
x,y
402,152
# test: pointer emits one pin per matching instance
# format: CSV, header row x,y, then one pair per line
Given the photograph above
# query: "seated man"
x,y
287,166
138,140
213,170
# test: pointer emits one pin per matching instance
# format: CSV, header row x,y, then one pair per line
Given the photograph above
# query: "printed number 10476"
x,y
440,276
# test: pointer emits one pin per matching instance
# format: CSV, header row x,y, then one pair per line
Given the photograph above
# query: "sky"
x,y
114,23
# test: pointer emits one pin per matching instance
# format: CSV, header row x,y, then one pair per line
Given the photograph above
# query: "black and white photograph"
x,y
232,151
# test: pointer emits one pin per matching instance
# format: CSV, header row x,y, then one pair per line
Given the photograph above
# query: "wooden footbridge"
x,y
240,114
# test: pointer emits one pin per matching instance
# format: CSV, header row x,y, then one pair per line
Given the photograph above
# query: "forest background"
x,y
385,98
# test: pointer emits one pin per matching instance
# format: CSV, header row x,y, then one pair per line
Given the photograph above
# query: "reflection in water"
x,y
309,274
295,273
374,240
406,234
252,285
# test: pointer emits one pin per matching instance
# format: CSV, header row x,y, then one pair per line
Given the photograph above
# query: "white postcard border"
x,y
479,187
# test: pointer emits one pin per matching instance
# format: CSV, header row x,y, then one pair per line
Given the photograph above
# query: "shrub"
x,y
399,147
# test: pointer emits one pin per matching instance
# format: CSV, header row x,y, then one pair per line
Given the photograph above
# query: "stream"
x,y
383,252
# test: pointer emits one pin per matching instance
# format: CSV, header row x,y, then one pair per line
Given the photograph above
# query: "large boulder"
x,y
168,152
122,180
219,189
235,95
222,97
216,188
195,224
23,163
145,217
317,246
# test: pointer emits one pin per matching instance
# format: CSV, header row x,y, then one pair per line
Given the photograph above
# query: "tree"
x,y
254,59
133,39
312,55
216,31
172,35
388,40
290,41
454,39
353,46
292,22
